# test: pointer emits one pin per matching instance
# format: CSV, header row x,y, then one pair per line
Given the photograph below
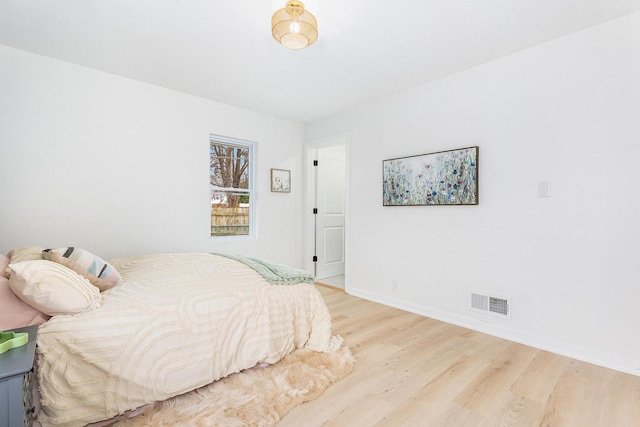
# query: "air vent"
x,y
497,306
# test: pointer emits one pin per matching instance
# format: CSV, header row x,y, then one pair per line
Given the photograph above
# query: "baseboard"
x,y
595,357
324,285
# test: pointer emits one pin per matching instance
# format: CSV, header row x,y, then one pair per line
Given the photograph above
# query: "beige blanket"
x,y
177,323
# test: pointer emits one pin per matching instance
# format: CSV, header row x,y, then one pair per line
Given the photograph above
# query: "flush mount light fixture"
x,y
293,26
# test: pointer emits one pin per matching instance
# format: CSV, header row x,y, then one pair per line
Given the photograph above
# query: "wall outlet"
x,y
394,285
544,189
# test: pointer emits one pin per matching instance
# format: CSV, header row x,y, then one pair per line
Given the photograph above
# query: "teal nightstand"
x,y
16,371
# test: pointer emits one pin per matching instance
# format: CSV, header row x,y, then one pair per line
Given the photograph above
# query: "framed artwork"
x,y
442,178
280,181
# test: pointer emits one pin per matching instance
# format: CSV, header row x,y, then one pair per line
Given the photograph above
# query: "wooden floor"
x,y
416,371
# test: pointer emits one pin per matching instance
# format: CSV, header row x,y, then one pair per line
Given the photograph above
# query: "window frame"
x,y
251,182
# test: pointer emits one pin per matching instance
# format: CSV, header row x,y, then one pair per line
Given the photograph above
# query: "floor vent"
x,y
497,306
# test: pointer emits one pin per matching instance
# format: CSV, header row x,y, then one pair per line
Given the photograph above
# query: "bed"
x,y
159,326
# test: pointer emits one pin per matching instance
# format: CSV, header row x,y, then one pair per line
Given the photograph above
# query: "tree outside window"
x,y
230,179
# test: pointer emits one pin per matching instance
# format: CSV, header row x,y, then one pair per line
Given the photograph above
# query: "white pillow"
x,y
53,288
27,253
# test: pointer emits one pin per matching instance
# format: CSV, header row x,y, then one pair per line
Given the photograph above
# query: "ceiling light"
x,y
293,26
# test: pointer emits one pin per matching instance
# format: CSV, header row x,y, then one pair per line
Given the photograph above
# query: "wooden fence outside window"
x,y
227,221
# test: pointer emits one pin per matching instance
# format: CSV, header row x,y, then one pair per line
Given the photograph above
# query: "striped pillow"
x,y
93,268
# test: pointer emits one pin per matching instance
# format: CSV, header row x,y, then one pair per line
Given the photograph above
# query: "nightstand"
x,y
16,371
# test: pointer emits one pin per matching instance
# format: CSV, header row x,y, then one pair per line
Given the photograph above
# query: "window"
x,y
231,183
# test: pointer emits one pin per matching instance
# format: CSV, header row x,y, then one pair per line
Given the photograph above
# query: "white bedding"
x,y
178,322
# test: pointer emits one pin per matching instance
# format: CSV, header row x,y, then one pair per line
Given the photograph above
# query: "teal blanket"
x,y
276,274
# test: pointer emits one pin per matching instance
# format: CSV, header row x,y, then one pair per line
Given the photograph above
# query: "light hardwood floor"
x,y
416,371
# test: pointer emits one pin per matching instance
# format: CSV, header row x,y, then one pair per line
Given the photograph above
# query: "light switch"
x,y
544,189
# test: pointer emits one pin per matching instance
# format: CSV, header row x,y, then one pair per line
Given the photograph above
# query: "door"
x,y
330,219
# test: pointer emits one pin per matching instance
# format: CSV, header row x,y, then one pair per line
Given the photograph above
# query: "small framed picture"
x,y
280,180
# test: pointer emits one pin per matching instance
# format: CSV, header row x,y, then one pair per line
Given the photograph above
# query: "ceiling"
x,y
223,50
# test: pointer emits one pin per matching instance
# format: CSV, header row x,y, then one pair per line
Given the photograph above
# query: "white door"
x,y
330,202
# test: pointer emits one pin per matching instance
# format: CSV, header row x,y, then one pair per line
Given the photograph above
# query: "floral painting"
x,y
443,178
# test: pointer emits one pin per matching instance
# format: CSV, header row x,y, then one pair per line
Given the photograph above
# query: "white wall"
x,y
567,112
120,167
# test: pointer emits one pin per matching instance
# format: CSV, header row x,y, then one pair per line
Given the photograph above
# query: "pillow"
x,y
53,288
4,262
15,313
28,253
93,268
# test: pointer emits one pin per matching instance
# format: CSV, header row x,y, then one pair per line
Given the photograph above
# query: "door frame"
x,y
310,194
